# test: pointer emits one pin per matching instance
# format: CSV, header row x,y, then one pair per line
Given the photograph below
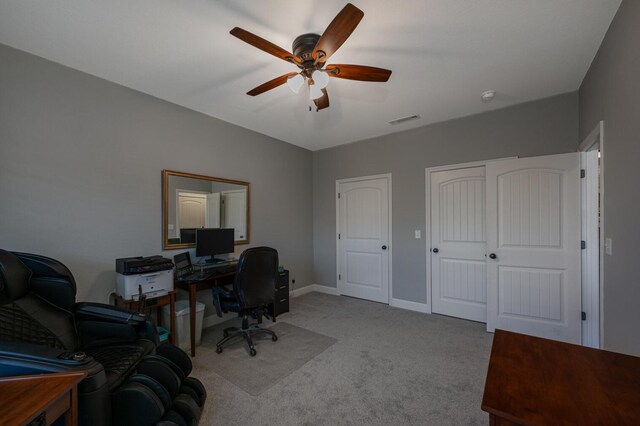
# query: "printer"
x,y
153,276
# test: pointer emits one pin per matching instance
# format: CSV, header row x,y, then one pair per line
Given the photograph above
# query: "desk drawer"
x,y
281,296
281,292
281,306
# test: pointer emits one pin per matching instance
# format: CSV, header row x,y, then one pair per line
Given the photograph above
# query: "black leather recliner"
x,y
253,289
130,379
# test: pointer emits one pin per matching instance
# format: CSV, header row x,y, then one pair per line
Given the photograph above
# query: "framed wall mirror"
x,y
192,201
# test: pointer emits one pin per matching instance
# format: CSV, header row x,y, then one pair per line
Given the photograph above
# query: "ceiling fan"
x,y
310,54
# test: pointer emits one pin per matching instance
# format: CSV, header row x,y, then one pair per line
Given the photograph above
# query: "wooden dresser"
x,y
534,381
40,399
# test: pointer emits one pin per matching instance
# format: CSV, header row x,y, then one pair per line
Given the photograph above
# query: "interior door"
x,y
533,239
192,208
363,239
234,212
458,241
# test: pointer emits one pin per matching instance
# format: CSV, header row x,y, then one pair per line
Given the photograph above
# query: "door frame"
x,y
592,289
427,210
389,244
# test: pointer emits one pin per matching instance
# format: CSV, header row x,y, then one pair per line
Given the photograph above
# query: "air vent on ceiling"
x,y
404,119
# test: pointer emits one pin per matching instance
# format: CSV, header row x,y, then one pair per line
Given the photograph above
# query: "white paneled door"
x,y
234,212
192,208
363,214
458,243
533,242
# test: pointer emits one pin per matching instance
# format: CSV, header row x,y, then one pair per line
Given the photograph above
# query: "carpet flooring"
x,y
388,366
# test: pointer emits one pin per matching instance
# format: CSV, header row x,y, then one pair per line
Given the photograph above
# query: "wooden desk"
x,y
192,287
44,397
156,302
534,381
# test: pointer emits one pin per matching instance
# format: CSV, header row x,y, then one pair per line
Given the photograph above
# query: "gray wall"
x,y
548,126
80,172
611,92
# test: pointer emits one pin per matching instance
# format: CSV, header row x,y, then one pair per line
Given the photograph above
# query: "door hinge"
x,y
338,236
584,316
339,277
583,244
583,173
338,195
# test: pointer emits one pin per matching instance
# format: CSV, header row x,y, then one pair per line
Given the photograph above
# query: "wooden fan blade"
x,y
358,72
264,45
322,102
337,32
271,84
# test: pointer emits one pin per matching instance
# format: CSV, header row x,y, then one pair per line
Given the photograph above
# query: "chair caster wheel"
x,y
252,352
218,350
274,338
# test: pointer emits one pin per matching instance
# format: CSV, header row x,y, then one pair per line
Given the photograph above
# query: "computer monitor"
x,y
212,241
187,235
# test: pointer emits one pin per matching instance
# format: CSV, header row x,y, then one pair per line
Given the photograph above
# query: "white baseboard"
x,y
315,287
411,306
212,320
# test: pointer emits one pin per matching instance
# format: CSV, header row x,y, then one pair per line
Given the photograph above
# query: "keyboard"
x,y
196,276
224,269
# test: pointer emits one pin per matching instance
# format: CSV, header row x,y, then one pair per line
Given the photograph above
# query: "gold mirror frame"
x,y
165,206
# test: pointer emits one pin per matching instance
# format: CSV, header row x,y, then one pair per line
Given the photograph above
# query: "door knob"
x,y
384,247
493,256
435,250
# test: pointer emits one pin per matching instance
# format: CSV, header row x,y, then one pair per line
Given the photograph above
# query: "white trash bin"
x,y
183,337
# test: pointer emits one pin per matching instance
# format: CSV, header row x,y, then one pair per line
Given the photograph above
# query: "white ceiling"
x,y
443,54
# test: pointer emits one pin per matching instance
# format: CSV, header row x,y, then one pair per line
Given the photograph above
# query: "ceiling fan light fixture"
x,y
320,79
295,83
315,92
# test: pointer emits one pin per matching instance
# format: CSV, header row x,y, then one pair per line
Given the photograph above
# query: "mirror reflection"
x,y
195,201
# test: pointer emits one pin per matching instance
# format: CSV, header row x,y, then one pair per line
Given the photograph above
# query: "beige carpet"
x,y
388,367
273,361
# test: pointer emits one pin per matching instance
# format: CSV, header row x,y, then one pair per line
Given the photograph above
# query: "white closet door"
x,y
458,241
364,229
533,230
235,212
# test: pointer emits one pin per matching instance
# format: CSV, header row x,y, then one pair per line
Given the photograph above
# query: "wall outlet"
x,y
417,234
608,246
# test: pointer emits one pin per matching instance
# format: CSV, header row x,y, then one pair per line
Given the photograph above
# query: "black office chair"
x,y
130,379
253,289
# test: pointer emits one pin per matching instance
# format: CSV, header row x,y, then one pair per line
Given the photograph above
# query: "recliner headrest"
x,y
14,277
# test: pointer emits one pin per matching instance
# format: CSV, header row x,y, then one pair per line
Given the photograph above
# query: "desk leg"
x,y
192,317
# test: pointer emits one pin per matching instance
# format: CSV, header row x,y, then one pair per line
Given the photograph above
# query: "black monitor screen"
x,y
187,235
212,241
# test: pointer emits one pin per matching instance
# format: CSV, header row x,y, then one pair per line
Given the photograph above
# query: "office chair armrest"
x,y
18,359
223,300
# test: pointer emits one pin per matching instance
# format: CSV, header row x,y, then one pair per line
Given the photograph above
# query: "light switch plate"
x,y
418,236
608,249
